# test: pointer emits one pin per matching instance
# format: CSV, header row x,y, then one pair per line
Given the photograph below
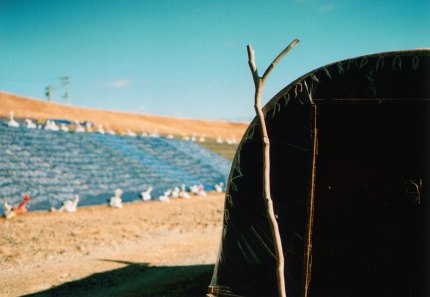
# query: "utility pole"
x,y
49,90
65,80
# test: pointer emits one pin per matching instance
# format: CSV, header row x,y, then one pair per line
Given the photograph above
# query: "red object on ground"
x,y
21,206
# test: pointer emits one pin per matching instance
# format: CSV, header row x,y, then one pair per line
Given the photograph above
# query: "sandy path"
x,y
145,249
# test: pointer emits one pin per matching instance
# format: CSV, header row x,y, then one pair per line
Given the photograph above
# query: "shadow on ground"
x,y
137,279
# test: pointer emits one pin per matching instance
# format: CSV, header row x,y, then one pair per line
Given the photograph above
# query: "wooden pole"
x,y
259,83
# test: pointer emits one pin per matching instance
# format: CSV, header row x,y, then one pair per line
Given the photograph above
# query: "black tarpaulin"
x,y
349,179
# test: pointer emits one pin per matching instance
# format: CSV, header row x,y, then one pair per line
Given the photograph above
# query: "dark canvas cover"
x,y
344,98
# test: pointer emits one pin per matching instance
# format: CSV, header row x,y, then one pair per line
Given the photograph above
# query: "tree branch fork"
x,y
259,83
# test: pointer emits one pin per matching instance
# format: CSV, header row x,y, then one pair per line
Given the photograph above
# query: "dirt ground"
x,y
146,249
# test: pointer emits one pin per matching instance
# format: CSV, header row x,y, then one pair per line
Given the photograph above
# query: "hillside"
x,y
37,109
149,248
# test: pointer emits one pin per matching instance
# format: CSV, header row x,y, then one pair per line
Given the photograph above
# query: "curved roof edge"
x,y
272,102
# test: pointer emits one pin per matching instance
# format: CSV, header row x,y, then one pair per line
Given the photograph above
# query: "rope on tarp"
x,y
309,92
340,67
286,98
415,62
371,79
327,72
314,78
363,62
250,133
380,61
301,88
226,214
277,107
397,61
237,173
229,200
350,62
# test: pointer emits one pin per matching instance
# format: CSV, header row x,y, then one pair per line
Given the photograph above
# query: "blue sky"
x,y
188,58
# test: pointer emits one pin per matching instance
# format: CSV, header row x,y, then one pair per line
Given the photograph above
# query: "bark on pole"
x,y
259,83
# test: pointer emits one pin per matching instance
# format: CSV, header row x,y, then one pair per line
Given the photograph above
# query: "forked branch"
x,y
259,83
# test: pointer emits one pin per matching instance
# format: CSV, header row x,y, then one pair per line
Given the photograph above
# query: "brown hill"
x,y
120,121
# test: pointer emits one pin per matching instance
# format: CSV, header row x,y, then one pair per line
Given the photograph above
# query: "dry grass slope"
x,y
120,121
